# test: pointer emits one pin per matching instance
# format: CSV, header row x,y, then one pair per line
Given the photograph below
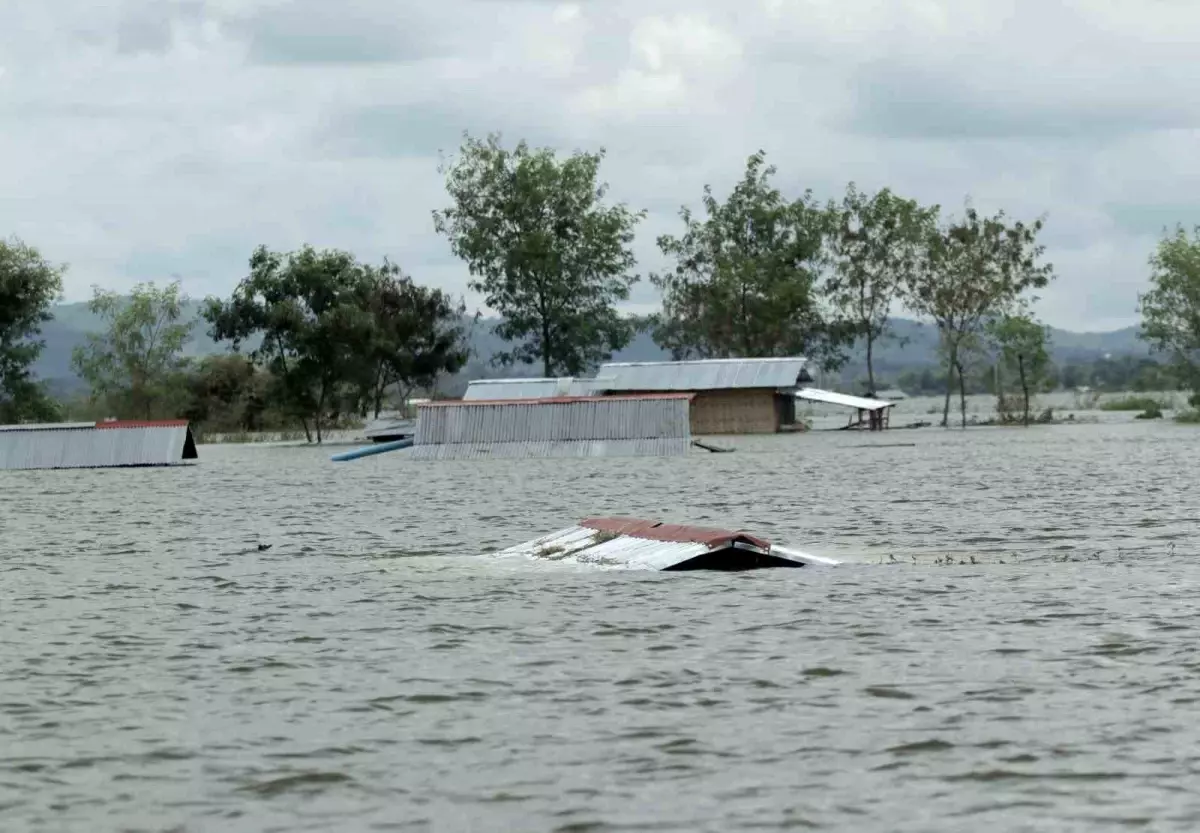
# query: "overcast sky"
x,y
147,139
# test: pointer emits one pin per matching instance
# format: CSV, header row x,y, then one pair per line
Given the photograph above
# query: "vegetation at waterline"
x,y
29,285
1133,403
317,337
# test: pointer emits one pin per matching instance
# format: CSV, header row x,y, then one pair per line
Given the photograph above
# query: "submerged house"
x,y
580,426
91,445
729,396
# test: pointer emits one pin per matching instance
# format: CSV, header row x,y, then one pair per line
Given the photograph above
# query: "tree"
x,y
1020,344
316,331
1171,309
876,244
132,364
545,252
745,279
226,393
418,335
971,270
29,285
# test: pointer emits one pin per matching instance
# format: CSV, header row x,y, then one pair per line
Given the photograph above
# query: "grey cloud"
x,y
346,32
1152,219
176,136
904,103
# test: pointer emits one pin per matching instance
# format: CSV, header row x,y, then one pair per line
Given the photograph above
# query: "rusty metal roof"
x,y
642,544
706,374
96,445
566,427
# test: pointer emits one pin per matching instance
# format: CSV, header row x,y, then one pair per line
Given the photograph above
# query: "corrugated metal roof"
x,y
833,398
481,389
651,545
96,445
706,374
582,545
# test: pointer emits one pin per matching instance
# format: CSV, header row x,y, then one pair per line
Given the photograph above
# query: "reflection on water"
x,y
370,671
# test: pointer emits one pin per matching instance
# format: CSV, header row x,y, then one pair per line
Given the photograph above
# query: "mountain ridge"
x,y
912,344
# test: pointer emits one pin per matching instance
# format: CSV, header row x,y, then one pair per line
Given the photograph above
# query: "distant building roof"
x,y
705,374
81,445
832,398
480,389
891,394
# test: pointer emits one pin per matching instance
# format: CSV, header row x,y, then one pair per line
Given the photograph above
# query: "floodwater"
x,y
373,670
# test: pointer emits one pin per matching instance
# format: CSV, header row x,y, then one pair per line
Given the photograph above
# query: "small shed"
x,y
869,413
89,445
590,426
730,396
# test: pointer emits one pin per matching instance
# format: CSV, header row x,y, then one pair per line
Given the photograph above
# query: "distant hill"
x,y
914,346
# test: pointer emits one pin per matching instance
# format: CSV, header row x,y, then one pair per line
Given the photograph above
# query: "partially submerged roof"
x,y
653,545
480,389
595,426
77,445
705,374
845,400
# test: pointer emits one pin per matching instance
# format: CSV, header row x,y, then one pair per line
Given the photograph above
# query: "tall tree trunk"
x,y
870,366
951,361
307,432
962,392
1024,387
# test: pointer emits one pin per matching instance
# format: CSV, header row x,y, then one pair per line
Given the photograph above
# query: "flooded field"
x,y
271,641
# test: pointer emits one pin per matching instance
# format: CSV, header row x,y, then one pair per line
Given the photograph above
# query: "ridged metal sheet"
x,y
77,447
846,400
548,421
665,447
586,546
485,389
706,374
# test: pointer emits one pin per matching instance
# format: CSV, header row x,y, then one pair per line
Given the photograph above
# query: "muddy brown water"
x,y
373,670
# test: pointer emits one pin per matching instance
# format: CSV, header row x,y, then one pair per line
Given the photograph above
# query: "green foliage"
x,y
418,336
335,335
974,269
1153,412
1171,309
1188,417
1021,347
745,283
876,243
133,366
309,308
28,286
543,250
1133,403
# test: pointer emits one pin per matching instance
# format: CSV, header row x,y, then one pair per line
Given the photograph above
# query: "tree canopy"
x,y
29,285
543,250
746,277
1171,308
131,364
876,242
974,268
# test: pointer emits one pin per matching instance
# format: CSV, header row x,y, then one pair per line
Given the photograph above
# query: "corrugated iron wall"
x,y
588,427
77,447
